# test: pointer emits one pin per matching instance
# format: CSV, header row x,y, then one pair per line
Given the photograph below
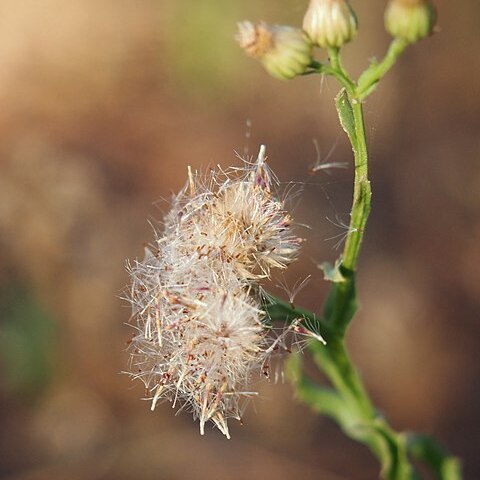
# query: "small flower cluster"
x,y
199,332
287,52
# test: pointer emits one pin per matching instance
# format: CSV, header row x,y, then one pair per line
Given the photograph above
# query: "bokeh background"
x,y
103,104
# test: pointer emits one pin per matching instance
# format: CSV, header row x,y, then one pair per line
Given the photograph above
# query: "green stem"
x,y
366,427
335,69
364,424
361,191
348,403
335,361
432,454
376,71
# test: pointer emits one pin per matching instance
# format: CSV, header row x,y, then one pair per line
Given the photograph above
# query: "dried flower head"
x,y
284,51
199,332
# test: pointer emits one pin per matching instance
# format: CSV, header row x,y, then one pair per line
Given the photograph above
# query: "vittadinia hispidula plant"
x,y
202,325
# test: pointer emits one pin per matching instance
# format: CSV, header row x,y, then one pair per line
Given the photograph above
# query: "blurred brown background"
x,y
103,104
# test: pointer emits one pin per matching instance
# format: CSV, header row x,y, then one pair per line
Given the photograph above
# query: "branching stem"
x,y
348,402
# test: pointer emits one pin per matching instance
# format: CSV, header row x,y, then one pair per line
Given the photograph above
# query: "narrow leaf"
x,y
320,399
345,114
430,452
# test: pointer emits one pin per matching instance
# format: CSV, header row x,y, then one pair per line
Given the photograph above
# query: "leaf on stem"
x,y
395,462
430,452
345,114
320,399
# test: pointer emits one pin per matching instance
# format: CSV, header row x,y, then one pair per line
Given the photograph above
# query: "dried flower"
x,y
410,19
330,23
284,51
199,332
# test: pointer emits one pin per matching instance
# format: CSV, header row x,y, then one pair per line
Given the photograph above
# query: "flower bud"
x,y
410,19
330,23
284,51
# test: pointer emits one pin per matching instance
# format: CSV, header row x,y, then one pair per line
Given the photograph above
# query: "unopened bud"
x,y
284,51
410,19
330,23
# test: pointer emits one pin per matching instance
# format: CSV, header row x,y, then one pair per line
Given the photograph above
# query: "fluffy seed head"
x,y
199,333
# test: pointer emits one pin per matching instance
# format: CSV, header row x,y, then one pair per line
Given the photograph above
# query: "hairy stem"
x,y
361,190
338,71
348,402
376,71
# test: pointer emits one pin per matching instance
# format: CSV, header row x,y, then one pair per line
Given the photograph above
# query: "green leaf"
x,y
395,463
320,399
345,114
430,452
277,309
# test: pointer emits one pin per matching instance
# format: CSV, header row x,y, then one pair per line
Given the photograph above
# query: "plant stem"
x,y
361,191
338,71
348,403
365,425
376,71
